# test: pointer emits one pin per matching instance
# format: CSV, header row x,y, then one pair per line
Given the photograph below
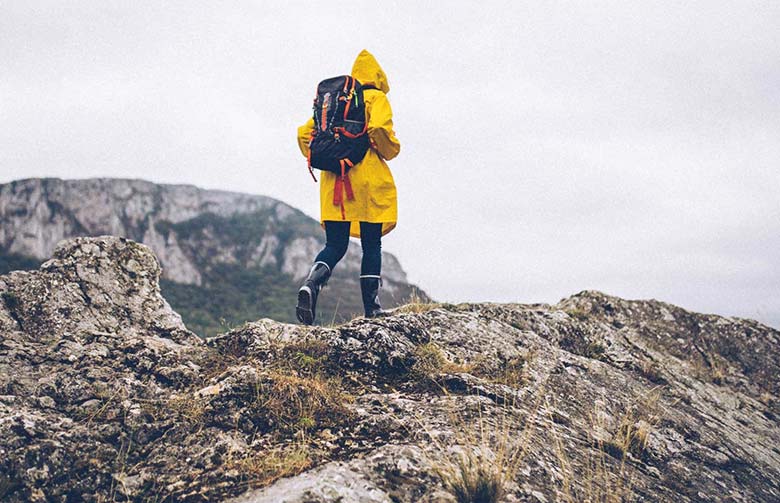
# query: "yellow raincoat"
x,y
372,182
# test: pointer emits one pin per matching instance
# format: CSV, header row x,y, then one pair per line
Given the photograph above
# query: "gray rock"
x,y
106,396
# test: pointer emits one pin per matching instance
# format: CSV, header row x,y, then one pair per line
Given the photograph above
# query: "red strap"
x,y
343,185
350,135
348,188
338,190
324,118
349,98
345,176
308,157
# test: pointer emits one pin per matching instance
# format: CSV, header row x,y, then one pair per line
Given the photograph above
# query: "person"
x,y
372,211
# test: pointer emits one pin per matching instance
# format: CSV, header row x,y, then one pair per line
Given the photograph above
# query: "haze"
x,y
547,147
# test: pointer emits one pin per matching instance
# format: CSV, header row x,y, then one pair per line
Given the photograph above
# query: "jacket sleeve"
x,y
380,127
304,134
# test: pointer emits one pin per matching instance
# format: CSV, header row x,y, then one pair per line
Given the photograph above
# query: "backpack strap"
x,y
349,96
343,185
308,157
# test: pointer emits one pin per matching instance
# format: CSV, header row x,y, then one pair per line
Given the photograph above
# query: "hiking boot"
x,y
306,310
369,287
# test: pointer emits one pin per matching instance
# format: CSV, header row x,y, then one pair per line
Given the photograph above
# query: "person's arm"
x,y
304,135
380,127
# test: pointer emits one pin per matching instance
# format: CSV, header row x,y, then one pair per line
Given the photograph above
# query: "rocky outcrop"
x,y
105,396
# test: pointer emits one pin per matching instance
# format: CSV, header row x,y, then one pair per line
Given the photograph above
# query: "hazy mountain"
x,y
226,257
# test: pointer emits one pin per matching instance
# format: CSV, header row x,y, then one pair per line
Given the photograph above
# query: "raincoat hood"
x,y
367,70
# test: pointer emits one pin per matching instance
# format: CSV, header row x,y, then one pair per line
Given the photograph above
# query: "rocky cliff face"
x,y
196,234
105,396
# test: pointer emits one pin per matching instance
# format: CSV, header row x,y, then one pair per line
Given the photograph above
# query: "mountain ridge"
x,y
211,243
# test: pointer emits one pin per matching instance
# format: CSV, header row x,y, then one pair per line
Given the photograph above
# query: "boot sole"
x,y
303,310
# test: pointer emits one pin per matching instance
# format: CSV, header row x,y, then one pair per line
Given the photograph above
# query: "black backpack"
x,y
338,140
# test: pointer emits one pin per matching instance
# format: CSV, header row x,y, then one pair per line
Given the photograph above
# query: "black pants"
x,y
337,241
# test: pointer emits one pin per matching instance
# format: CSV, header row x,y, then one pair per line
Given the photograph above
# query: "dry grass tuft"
x,y
488,445
430,360
494,447
472,480
577,313
630,437
263,468
301,392
651,371
608,480
718,370
511,372
709,367
417,304
298,404
306,357
595,350
188,406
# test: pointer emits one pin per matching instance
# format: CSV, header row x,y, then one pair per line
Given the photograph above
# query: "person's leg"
x,y
336,244
371,267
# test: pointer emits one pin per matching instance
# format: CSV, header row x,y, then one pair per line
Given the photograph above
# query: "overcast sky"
x,y
547,147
